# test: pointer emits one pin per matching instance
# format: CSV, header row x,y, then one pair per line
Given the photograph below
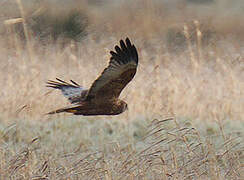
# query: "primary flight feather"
x,y
103,96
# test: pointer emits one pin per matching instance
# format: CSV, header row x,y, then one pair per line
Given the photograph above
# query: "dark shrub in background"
x,y
51,24
71,25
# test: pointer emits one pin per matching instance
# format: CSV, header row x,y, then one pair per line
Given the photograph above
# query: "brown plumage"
x,y
103,96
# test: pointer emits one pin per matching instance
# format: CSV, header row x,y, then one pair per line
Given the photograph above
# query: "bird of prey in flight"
x,y
102,98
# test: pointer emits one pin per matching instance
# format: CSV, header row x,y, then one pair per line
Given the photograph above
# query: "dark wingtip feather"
x,y
61,80
125,53
113,54
123,46
52,84
60,83
135,54
128,43
117,49
75,83
132,50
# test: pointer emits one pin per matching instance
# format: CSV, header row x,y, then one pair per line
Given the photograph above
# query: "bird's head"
x,y
123,106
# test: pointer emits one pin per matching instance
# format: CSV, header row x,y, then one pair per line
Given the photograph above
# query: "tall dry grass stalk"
x,y
199,40
192,55
26,32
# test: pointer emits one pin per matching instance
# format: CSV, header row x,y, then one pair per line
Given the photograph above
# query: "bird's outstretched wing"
x,y
120,71
73,91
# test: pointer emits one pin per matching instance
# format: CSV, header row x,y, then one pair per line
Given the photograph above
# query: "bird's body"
x,y
92,109
103,96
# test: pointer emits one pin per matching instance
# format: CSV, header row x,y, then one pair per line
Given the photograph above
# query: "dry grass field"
x,y
186,102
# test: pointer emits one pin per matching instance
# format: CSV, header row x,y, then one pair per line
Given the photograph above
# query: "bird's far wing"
x,y
73,91
120,71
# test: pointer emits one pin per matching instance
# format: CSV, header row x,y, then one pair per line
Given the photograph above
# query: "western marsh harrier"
x,y
103,96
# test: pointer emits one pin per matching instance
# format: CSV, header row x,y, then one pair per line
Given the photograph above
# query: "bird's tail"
x,y
73,110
